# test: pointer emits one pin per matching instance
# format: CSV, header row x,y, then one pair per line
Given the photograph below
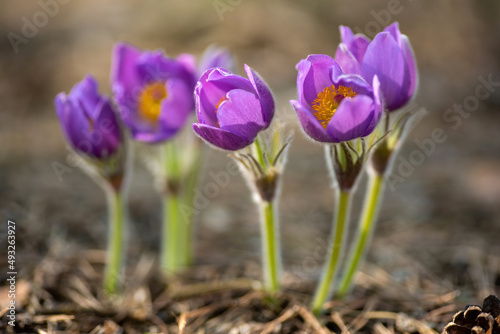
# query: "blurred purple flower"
x,y
88,120
232,110
332,106
389,56
154,92
216,57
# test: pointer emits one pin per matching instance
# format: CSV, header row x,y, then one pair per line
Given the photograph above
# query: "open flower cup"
x,y
332,106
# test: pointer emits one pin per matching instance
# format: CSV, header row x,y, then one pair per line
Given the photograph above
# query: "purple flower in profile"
x,y
88,120
154,92
232,110
216,57
332,106
389,56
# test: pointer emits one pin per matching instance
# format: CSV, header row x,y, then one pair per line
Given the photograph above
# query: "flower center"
x,y
150,100
328,100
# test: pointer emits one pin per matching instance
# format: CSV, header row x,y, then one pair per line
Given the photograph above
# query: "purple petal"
x,y
64,110
409,56
156,67
311,126
107,128
206,115
150,132
177,107
61,109
353,119
154,136
226,81
140,128
241,114
356,82
88,120
134,121
74,123
393,29
175,110
356,44
221,138
264,94
123,68
347,61
80,131
212,87
303,68
377,98
314,76
411,65
87,95
346,35
385,59
189,62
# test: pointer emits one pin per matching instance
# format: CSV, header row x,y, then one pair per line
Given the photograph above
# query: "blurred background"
x,y
441,215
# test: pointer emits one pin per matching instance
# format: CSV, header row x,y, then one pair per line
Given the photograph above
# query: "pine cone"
x,y
477,320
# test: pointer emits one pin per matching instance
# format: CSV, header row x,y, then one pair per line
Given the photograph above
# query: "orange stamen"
x,y
150,100
326,103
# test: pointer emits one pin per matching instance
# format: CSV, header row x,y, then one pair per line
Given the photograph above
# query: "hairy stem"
x,y
366,227
270,246
324,288
172,244
187,233
114,264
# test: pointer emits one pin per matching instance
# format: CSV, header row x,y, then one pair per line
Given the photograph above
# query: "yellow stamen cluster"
x,y
150,100
328,100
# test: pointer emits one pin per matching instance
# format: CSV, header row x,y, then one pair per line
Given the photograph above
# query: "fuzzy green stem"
x,y
270,246
366,227
172,244
335,251
191,182
114,264
172,240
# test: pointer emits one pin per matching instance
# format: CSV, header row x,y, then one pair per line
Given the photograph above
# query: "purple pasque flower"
x,y
389,56
216,57
88,120
154,92
232,110
333,106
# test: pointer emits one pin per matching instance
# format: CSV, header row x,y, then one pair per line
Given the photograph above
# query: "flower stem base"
x,y
114,264
270,250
